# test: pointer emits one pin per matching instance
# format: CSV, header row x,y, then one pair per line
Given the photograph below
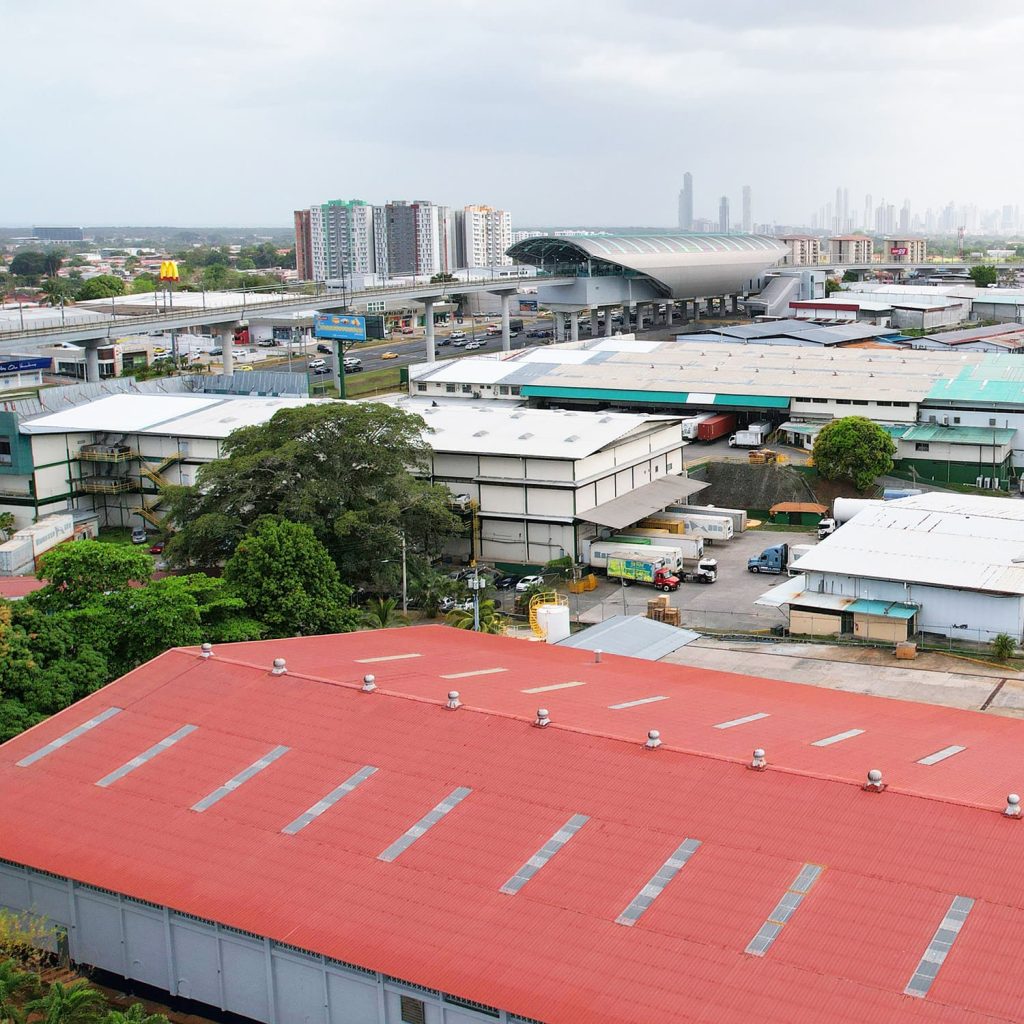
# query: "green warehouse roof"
x,y
958,434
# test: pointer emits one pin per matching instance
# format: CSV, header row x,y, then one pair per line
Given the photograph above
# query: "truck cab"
x,y
826,527
771,560
665,579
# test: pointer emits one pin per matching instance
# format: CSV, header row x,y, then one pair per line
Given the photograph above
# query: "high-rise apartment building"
x,y
723,215
303,246
804,250
686,203
419,237
747,221
851,249
486,234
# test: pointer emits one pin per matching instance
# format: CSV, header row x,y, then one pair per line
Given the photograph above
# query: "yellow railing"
x,y
543,600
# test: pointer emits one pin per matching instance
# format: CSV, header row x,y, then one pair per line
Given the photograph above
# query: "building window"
x,y
421,387
820,401
920,447
6,458
902,405
884,403
413,1011
451,388
858,401
502,389
515,391
956,419
467,389
842,401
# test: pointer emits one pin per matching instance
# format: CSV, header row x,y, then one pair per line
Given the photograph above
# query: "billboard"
x,y
342,326
899,250
21,365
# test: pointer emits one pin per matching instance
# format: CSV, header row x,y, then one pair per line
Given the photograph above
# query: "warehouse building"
x,y
938,563
264,837
542,482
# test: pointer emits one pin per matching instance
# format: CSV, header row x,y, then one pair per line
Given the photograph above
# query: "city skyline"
x,y
266,135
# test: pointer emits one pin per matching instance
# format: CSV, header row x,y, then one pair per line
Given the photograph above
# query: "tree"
x,y
77,572
853,448
490,620
286,578
57,291
16,985
984,275
6,525
430,588
442,278
382,613
135,1014
345,470
1003,646
77,1003
104,286
53,260
832,285
29,264
143,283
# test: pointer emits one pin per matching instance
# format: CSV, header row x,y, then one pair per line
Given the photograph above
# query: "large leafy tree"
x,y
103,286
348,471
289,582
76,573
984,275
855,449
29,264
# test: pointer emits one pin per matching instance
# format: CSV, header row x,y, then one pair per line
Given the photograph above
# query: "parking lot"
x,y
726,604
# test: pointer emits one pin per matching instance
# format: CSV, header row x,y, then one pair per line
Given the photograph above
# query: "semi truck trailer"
x,y
636,570
601,552
710,528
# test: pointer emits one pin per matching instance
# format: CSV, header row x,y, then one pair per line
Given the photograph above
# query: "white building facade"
x,y
487,234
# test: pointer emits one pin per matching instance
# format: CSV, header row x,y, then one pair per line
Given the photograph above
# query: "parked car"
x,y
157,548
506,582
538,334
326,349
316,364
216,352
528,581
321,370
389,355
139,535
267,343
473,346
408,330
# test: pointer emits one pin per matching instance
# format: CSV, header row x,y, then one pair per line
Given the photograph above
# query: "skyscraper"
x,y
340,239
686,203
723,215
869,211
487,233
747,223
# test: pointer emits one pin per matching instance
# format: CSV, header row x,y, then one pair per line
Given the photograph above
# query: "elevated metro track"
x,y
251,304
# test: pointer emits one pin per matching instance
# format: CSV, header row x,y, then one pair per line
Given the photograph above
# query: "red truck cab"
x,y
665,579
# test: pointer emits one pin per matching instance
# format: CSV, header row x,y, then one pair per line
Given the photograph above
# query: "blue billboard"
x,y
342,326
21,365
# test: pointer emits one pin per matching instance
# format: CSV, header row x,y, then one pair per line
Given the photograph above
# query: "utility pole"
x,y
405,580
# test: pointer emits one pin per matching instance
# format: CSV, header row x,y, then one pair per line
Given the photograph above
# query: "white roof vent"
x,y
759,761
874,783
453,700
571,438
597,656
206,651
653,740
369,684
279,667
1012,806
543,718
480,433
526,436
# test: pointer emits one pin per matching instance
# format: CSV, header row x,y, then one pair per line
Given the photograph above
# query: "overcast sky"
x,y
236,112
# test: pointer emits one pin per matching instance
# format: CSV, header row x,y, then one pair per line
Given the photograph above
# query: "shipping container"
x,y
690,548
737,515
49,532
710,527
602,551
691,423
716,426
16,557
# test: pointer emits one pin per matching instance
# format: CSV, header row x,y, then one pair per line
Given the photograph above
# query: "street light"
x,y
476,584
405,578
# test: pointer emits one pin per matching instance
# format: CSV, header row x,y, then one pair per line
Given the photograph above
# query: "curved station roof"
x,y
683,266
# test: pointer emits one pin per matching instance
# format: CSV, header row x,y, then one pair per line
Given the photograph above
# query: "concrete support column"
x,y
227,358
696,310
574,326
735,303
506,337
428,324
558,326
608,321
92,362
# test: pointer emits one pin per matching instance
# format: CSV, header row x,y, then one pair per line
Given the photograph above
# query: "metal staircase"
x,y
148,511
543,600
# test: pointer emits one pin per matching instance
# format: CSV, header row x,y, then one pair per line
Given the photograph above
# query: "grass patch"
x,y
116,535
370,381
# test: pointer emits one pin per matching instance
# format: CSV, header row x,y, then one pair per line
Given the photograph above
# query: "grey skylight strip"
x,y
403,842
146,755
545,853
653,889
328,801
243,776
784,909
62,741
941,755
942,942
742,721
838,738
635,703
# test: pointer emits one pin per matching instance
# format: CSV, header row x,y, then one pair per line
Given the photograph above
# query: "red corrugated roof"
x,y
892,861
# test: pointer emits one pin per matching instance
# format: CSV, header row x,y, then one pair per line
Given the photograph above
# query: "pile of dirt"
x,y
740,485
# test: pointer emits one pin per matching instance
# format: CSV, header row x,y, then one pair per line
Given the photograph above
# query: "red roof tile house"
x,y
268,831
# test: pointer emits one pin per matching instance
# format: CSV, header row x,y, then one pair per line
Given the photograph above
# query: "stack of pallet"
x,y
660,610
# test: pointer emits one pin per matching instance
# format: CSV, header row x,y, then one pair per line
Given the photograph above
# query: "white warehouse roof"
x,y
213,416
943,540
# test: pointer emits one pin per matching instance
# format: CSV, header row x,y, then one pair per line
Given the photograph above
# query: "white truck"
x,y
710,528
695,568
843,510
690,424
600,551
737,515
752,436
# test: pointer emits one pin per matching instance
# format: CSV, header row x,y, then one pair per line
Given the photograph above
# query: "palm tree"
x,y
430,590
53,260
490,620
57,291
77,1003
382,613
135,1014
15,984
